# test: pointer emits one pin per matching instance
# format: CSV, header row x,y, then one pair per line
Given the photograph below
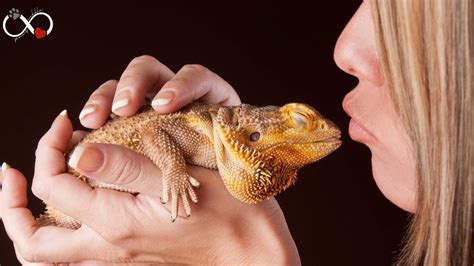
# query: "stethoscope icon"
x,y
38,32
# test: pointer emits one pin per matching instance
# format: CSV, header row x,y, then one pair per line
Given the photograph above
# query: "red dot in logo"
x,y
40,33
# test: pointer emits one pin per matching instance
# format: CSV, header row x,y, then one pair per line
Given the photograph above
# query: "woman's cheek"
x,y
392,158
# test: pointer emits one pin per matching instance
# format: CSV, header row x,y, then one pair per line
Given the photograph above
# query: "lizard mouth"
x,y
332,139
332,143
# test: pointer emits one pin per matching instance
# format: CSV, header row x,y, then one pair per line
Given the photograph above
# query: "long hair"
x,y
426,52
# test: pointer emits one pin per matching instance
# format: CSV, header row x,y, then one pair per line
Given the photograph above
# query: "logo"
x,y
38,32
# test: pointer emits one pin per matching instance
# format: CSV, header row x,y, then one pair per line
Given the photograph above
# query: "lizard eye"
x,y
254,136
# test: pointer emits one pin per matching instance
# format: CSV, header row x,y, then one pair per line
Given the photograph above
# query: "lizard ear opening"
x,y
228,116
300,116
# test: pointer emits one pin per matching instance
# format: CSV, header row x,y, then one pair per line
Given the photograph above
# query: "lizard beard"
x,y
248,174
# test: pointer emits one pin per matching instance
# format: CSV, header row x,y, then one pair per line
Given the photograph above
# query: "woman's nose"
x,y
355,52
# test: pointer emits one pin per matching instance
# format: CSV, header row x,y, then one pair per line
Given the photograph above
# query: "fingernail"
x,y
122,100
5,166
163,98
63,113
88,109
86,158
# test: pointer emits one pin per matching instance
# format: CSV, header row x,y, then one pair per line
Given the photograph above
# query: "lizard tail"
x,y
57,218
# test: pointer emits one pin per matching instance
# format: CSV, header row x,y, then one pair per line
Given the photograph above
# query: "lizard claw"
x,y
162,201
180,190
174,206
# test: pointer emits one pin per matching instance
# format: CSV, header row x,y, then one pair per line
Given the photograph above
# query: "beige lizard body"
x,y
257,150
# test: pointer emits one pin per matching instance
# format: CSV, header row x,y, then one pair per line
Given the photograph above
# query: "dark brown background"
x,y
272,52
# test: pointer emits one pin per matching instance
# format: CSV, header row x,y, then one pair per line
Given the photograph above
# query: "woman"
x,y
412,108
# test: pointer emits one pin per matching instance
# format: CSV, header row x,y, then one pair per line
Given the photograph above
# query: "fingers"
x,y
56,188
52,146
77,136
117,165
16,217
36,243
1,194
142,75
97,109
191,83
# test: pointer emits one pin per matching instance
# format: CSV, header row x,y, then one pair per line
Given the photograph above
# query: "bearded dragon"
x,y
257,150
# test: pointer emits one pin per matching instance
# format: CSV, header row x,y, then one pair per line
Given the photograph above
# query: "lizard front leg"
x,y
158,146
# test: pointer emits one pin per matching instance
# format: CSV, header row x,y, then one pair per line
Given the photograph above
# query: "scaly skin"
x,y
257,150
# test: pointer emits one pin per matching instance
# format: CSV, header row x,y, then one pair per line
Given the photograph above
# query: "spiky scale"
x,y
289,139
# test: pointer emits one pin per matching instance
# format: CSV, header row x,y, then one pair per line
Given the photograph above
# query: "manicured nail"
x,y
122,100
5,166
163,98
63,113
88,109
86,158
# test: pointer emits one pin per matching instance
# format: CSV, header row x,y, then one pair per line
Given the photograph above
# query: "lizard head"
x,y
261,148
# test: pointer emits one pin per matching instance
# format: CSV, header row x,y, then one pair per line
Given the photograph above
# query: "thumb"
x,y
117,165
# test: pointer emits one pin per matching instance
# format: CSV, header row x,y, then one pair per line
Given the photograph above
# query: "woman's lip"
x,y
359,133
356,131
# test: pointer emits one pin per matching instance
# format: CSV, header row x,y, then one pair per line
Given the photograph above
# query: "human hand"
x,y
147,77
222,229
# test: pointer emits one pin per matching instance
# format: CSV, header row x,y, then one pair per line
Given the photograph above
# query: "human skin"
x,y
217,231
375,123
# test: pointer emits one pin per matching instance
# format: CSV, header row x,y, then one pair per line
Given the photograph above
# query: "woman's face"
x,y
375,122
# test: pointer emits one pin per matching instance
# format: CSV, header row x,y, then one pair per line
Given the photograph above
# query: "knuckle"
x,y
109,82
119,236
124,255
38,150
198,69
130,77
99,97
127,170
106,85
42,143
100,94
146,59
39,189
178,83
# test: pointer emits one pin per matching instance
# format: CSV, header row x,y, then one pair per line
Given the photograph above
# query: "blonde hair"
x,y
426,52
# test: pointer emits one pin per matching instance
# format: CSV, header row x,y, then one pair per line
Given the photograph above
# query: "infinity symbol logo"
x,y
38,32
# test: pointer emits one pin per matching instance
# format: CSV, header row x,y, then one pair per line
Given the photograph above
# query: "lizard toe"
x,y
192,194
186,205
174,206
194,182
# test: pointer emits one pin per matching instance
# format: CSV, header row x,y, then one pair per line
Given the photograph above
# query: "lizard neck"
x,y
248,174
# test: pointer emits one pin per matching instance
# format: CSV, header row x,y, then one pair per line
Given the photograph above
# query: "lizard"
x,y
256,150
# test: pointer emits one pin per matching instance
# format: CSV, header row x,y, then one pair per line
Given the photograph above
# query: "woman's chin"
x,y
394,184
